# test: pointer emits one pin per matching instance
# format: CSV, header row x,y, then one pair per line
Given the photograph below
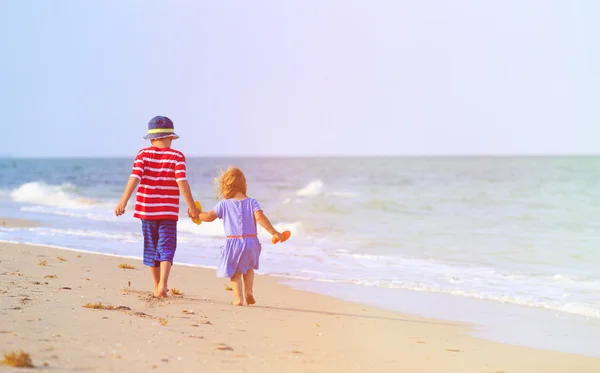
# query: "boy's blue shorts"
x,y
160,241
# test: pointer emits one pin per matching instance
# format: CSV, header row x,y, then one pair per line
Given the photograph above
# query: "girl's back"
x,y
241,254
238,216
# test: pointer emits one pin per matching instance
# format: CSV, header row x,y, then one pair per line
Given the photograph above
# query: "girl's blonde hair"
x,y
230,182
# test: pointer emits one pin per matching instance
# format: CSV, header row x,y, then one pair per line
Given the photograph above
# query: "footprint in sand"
x,y
223,347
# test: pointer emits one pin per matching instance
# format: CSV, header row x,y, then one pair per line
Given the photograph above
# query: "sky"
x,y
303,78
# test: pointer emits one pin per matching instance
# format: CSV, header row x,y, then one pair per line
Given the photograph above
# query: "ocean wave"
x,y
316,188
297,229
288,200
312,189
64,195
570,294
214,229
575,308
466,271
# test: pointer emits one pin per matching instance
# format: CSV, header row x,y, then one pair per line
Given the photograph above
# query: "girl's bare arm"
x,y
208,216
264,222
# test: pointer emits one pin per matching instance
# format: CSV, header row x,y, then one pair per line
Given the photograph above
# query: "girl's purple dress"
x,y
241,253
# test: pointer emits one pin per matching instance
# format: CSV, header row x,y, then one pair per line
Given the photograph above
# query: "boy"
x,y
161,174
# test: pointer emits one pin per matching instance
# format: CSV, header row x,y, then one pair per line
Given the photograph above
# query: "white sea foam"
x,y
525,300
575,308
314,188
295,227
214,229
552,292
40,193
317,188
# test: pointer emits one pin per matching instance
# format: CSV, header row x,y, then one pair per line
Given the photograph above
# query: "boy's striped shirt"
x,y
159,170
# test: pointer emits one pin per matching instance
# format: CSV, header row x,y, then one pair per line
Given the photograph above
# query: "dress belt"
x,y
243,236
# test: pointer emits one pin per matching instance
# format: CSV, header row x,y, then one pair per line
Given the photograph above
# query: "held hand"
x,y
194,212
277,236
120,209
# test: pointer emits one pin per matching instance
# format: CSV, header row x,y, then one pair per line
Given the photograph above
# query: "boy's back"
x,y
159,170
160,173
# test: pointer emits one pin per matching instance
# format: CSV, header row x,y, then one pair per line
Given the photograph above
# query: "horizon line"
x,y
514,155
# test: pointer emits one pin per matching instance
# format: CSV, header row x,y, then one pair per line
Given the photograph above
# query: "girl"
x,y
239,257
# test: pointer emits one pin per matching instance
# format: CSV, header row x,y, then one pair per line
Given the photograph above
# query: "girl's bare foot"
x,y
237,302
250,299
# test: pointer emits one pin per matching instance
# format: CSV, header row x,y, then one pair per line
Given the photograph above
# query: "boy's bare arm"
x,y
129,189
184,187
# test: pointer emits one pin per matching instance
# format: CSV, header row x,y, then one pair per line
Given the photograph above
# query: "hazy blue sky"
x,y
305,78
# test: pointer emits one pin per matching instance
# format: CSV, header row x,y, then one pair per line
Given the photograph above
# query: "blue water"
x,y
498,231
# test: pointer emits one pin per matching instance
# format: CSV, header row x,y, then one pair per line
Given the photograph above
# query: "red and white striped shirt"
x,y
159,170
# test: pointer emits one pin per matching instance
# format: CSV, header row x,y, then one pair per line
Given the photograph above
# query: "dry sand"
x,y
199,331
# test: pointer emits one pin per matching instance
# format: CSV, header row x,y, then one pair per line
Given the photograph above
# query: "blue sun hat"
x,y
160,127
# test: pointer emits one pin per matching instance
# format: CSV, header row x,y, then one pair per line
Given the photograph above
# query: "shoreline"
x,y
492,321
315,332
17,223
487,320
468,327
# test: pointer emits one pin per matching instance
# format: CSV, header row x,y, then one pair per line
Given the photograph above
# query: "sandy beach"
x,y
44,290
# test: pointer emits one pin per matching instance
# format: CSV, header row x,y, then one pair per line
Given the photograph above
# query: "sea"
x,y
510,244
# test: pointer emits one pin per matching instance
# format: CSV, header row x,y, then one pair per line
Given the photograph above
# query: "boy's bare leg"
x,y
248,284
236,286
156,278
165,270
